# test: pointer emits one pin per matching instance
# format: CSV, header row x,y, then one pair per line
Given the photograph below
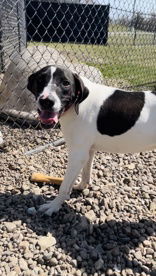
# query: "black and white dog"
x,y
93,117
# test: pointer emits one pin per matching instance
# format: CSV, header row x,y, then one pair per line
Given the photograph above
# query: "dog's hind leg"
x,y
86,173
77,159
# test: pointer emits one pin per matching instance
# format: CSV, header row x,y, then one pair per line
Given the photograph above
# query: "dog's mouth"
x,y
48,117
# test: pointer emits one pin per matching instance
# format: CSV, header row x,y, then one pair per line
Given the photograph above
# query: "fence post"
x,y
18,28
21,24
134,37
1,45
154,38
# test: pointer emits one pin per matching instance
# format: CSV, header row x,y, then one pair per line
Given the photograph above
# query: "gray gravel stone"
x,y
138,255
13,260
74,262
23,264
109,272
86,192
46,242
78,273
53,261
90,215
147,243
10,226
149,251
31,211
28,255
145,269
99,264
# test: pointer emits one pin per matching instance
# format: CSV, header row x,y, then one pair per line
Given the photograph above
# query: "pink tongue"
x,y
48,117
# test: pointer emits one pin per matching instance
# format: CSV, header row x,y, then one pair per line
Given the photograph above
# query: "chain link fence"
x,y
108,41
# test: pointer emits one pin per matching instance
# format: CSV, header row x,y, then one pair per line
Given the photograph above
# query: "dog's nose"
x,y
47,104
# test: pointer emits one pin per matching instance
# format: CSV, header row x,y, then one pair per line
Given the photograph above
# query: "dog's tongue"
x,y
48,117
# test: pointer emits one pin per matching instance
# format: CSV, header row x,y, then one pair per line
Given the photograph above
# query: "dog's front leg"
x,y
77,159
86,173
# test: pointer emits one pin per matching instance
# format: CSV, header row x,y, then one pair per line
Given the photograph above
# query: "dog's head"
x,y
56,89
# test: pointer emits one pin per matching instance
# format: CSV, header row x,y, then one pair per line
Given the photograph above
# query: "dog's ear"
x,y
32,84
81,91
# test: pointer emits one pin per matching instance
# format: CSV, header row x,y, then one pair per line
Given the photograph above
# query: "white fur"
x,y
49,91
83,139
1,139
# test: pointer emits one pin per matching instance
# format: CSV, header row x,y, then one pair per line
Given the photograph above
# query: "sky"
x,y
125,7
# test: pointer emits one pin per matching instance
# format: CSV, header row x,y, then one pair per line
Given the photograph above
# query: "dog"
x,y
93,117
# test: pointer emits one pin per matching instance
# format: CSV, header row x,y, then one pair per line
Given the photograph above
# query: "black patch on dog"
x,y
82,92
59,75
64,80
39,80
120,112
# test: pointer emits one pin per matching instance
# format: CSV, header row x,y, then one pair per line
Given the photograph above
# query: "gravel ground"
x,y
108,229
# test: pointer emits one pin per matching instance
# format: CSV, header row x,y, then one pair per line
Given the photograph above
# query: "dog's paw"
x,y
50,207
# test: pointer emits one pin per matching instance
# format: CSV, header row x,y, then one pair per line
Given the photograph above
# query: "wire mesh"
x,y
108,41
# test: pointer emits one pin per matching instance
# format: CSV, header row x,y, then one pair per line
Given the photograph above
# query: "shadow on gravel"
x,y
96,247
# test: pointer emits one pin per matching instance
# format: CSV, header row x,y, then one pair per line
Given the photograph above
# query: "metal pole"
x,y
1,44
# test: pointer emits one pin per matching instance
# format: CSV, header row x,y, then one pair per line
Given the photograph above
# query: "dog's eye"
x,y
66,83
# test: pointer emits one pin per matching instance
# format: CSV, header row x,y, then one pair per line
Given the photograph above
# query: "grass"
x,y
117,28
130,38
132,75
120,61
